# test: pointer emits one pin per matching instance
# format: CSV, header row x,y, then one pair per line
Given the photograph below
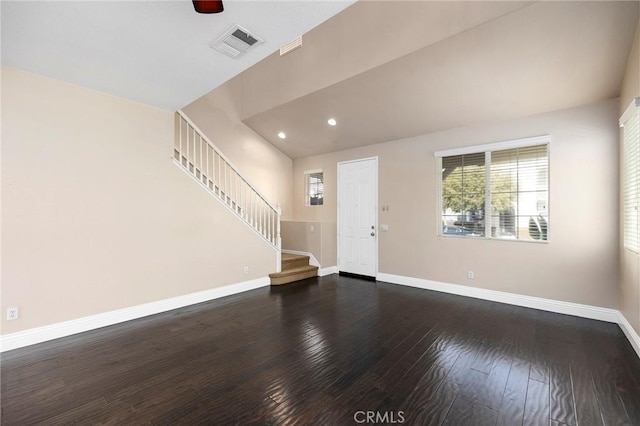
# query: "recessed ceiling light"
x,y
332,122
282,135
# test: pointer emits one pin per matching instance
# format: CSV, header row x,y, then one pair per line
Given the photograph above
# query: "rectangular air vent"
x,y
235,41
292,45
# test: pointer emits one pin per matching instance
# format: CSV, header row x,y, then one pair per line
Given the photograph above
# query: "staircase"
x,y
294,268
196,155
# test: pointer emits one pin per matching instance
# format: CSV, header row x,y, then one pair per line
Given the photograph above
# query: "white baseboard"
x,y
628,331
327,271
568,308
578,310
67,328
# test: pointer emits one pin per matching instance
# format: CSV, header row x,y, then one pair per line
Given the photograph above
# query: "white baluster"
x,y
278,213
219,182
180,138
187,156
208,177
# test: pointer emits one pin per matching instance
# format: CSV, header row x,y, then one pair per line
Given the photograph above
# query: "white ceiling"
x,y
154,52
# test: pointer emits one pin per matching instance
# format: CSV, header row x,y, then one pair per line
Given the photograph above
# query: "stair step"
x,y
291,261
294,274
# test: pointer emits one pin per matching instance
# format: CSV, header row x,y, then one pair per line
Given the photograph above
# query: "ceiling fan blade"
x,y
208,6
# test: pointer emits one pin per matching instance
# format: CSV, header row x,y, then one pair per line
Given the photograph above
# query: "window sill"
x,y
462,237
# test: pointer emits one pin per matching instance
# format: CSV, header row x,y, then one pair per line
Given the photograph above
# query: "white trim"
x,y
635,103
80,325
438,179
312,259
568,308
228,207
329,270
527,142
358,160
307,174
558,306
496,146
310,172
631,334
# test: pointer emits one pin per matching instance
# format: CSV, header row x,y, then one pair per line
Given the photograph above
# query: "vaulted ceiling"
x,y
386,71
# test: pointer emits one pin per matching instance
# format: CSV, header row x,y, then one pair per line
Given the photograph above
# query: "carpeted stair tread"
x,y
293,271
290,261
294,268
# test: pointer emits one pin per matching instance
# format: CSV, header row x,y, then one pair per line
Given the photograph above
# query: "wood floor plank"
x,y
483,416
463,408
587,407
561,395
539,363
515,394
493,392
438,407
536,410
317,352
424,391
628,385
609,400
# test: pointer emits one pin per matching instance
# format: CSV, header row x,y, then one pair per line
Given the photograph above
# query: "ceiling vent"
x,y
292,45
235,42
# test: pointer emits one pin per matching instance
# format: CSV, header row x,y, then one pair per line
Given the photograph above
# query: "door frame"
x,y
340,163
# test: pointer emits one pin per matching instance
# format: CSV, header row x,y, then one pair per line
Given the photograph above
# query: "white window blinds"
x,y
520,193
630,123
500,192
463,194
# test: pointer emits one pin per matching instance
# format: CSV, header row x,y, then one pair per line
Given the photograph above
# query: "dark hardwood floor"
x,y
324,351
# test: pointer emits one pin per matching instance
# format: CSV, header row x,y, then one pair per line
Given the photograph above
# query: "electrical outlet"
x,y
471,275
12,313
313,228
246,269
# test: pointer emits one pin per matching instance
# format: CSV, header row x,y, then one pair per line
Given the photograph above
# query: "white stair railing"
x,y
199,157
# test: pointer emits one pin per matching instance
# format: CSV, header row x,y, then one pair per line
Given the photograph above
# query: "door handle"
x,y
373,234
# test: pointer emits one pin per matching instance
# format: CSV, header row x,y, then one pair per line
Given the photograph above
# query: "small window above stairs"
x,y
294,268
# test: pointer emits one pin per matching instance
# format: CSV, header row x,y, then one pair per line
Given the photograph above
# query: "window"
x,y
463,194
496,191
630,123
314,184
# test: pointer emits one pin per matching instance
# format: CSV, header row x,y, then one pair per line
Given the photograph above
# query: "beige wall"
x,y
96,216
318,238
217,114
630,262
303,236
580,262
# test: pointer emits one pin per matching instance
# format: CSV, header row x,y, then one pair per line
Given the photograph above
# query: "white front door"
x,y
357,217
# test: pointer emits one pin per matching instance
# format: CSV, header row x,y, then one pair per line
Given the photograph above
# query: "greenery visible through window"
x,y
463,193
314,188
511,184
